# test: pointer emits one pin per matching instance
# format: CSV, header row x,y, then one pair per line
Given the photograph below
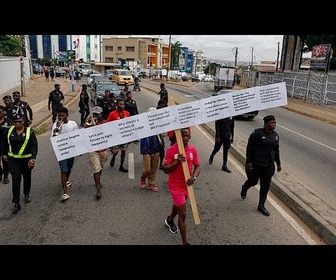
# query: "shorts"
x,y
97,160
179,199
115,149
66,164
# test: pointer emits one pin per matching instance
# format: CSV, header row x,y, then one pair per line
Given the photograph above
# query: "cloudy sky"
x,y
223,47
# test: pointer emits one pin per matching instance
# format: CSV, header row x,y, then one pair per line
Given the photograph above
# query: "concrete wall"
x,y
10,73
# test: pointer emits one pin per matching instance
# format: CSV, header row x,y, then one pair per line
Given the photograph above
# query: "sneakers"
x,y
142,184
152,187
211,159
68,184
171,225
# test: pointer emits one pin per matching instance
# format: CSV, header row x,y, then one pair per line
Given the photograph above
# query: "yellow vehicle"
x,y
122,77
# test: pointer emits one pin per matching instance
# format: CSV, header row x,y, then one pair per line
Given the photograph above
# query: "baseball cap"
x,y
97,110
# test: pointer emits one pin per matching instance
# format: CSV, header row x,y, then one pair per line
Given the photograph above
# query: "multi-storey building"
x,y
87,47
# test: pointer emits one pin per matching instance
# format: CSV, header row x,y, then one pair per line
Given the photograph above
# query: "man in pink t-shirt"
x,y
178,184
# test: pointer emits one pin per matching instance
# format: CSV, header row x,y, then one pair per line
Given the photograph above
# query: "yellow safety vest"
x,y
19,155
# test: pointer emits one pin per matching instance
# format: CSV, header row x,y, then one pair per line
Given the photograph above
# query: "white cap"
x,y
151,109
97,110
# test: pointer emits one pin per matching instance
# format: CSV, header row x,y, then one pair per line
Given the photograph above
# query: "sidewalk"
x,y
37,93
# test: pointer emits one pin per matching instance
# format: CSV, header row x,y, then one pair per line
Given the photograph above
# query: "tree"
x,y
312,40
175,50
9,45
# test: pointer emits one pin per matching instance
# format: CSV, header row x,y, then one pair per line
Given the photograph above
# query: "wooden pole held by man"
x,y
186,172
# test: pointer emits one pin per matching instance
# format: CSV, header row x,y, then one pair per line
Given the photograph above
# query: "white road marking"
x,y
131,166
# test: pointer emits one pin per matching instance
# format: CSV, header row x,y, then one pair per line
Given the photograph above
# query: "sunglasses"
x,y
18,121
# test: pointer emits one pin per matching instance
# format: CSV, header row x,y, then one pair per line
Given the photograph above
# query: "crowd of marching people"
x,y
19,150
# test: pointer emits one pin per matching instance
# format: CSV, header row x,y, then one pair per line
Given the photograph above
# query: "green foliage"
x,y
175,50
9,45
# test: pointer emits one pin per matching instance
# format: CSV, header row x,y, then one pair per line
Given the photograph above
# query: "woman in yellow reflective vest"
x,y
19,148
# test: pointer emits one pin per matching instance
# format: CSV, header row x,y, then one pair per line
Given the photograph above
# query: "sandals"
x,y
65,196
68,184
152,187
142,184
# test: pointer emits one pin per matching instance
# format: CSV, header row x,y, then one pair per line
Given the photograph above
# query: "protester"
x,y
23,107
224,132
118,114
97,159
55,99
19,148
84,108
61,126
178,184
262,151
150,150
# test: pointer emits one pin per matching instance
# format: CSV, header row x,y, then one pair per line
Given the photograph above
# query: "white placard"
x,y
169,118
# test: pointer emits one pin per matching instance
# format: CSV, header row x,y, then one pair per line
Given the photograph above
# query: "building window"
x,y
109,59
130,49
119,49
109,48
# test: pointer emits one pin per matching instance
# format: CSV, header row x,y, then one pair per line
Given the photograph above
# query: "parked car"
x,y
250,115
59,72
37,68
97,91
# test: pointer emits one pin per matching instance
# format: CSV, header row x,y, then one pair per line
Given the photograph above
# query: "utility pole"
x,y
252,59
170,59
22,52
235,74
277,61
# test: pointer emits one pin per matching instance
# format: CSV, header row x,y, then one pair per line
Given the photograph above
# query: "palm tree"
x,y
175,50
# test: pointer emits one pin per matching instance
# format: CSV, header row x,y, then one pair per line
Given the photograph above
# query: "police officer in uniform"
x,y
55,99
262,151
19,148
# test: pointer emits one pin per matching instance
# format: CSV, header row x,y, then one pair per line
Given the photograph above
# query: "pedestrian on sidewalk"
x,y
19,148
52,74
177,183
55,99
61,126
46,74
262,151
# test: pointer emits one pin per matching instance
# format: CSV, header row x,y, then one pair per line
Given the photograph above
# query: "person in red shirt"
x,y
178,184
118,114
97,159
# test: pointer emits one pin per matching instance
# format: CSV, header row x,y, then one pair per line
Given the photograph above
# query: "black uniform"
x,y
262,151
131,106
24,109
18,166
83,104
224,134
55,100
4,125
